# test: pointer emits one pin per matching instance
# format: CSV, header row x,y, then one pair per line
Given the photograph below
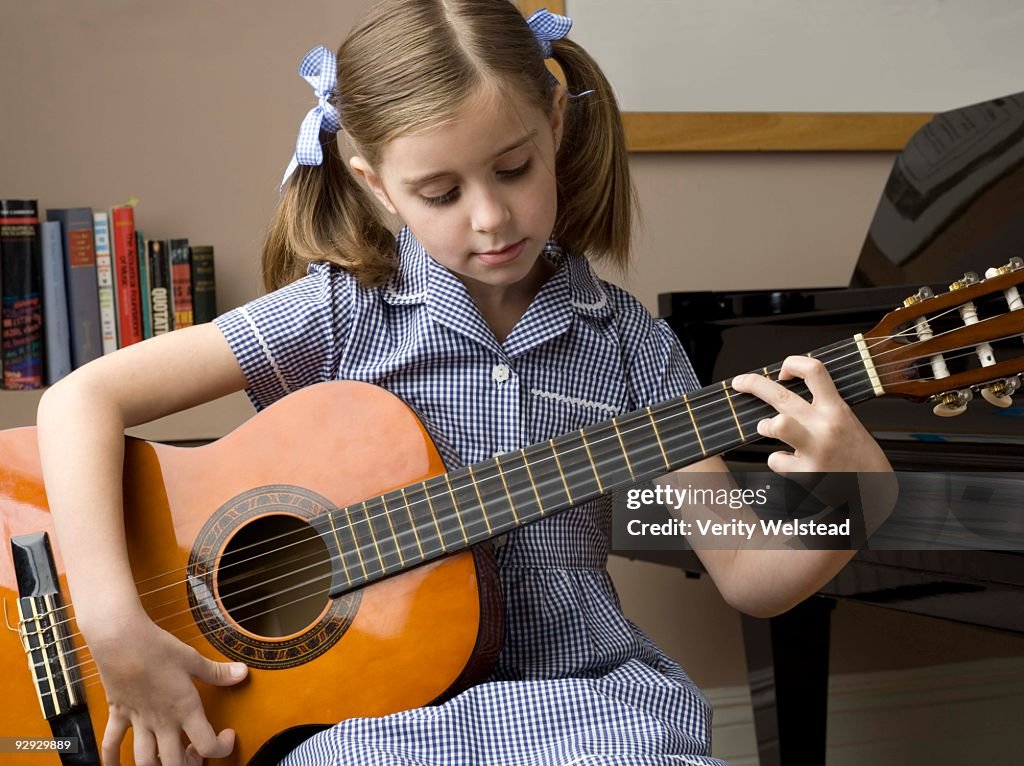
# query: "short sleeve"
x,y
292,337
660,369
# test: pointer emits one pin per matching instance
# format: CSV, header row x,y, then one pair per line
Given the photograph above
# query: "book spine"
x,y
80,282
204,288
56,332
160,286
105,282
126,269
21,339
181,278
144,302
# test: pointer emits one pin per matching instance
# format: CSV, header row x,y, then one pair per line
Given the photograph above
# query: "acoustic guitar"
x,y
324,544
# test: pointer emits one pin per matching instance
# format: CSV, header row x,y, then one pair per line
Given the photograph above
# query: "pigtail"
x,y
596,198
325,214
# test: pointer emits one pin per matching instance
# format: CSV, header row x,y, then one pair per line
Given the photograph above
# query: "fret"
x,y
391,527
717,421
449,522
519,484
693,420
533,482
678,432
495,497
590,457
547,476
357,540
474,514
504,482
610,461
461,526
561,471
377,533
735,417
466,494
625,452
579,470
641,440
412,525
341,548
657,435
427,528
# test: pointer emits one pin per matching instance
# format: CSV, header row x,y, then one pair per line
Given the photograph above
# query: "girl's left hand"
x,y
824,433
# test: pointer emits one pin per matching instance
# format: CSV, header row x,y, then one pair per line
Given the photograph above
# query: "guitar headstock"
x,y
945,347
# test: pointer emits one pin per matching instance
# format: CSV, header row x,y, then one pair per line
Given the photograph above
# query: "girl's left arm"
x,y
825,437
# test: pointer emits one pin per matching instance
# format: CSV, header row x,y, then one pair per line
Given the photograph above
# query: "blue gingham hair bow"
x,y
320,69
548,26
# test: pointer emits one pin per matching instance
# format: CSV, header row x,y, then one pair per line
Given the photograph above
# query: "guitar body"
x,y
229,514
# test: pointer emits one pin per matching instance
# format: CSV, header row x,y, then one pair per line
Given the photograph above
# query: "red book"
x,y
126,271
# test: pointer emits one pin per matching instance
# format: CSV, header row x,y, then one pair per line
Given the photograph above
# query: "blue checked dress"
x,y
576,682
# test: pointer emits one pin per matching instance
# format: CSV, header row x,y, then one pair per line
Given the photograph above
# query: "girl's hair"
x,y
410,65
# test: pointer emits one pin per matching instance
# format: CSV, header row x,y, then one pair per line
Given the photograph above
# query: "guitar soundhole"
x,y
274,576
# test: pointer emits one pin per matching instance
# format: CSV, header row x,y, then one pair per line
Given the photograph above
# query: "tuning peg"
x,y
970,278
999,394
952,403
922,294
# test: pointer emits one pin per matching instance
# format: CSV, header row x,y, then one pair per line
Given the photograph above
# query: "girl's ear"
x,y
558,114
362,169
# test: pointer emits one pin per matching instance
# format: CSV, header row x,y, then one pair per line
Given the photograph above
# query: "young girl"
x,y
483,314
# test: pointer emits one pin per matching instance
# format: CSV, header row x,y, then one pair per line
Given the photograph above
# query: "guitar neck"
x,y
406,527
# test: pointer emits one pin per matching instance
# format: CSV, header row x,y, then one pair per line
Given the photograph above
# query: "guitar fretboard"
x,y
448,513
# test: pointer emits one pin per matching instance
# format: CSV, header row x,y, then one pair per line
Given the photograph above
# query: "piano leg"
x,y
787,664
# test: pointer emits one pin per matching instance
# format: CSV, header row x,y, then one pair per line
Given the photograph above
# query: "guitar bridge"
x,y
42,626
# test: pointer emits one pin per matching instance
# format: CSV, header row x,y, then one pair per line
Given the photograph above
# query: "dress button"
x,y
500,373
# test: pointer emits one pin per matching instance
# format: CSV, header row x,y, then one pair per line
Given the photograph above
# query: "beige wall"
x,y
193,106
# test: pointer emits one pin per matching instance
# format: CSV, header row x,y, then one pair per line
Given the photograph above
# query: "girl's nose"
x,y
490,213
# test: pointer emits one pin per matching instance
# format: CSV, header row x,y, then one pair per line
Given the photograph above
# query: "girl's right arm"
x,y
147,673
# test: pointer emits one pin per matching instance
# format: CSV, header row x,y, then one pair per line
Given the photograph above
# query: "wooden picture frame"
x,y
760,131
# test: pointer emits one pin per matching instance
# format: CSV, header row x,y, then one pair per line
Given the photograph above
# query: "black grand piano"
x,y
954,203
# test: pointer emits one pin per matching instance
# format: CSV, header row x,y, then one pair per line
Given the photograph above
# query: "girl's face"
x,y
479,191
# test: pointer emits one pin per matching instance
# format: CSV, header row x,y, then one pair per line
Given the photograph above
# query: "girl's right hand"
x,y
148,677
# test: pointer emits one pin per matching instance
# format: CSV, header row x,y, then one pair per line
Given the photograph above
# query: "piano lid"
x,y
954,201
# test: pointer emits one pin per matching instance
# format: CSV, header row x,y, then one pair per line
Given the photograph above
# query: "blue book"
x,y
81,283
57,334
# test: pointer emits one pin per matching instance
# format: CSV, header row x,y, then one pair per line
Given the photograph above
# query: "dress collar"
x,y
421,279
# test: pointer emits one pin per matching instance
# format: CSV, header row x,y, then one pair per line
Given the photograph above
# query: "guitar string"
x,y
757,416
716,395
271,596
290,561
766,408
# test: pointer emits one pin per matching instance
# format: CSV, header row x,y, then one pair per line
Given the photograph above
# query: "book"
x,y
204,288
160,286
56,329
105,282
144,305
126,272
21,337
181,279
80,282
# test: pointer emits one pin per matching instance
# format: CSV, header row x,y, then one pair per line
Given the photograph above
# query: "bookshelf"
x,y
203,423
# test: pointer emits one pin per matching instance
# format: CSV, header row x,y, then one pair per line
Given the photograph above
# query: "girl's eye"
x,y
444,199
515,172
452,194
